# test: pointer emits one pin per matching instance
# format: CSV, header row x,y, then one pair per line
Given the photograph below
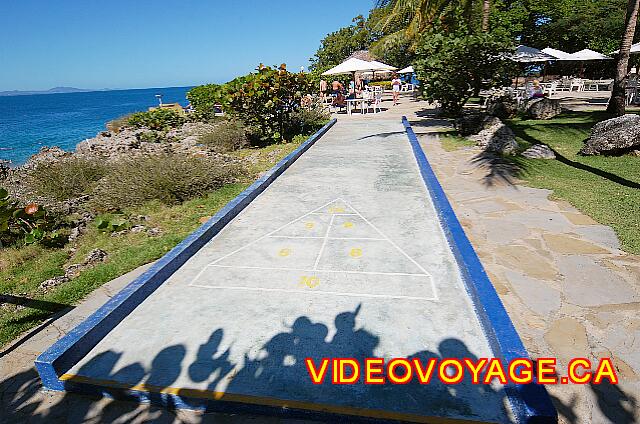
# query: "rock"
x,y
503,107
543,108
138,229
95,256
46,154
497,138
51,283
154,232
539,151
75,233
614,136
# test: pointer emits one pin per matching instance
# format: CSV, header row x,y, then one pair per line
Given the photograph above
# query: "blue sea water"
x,y
29,122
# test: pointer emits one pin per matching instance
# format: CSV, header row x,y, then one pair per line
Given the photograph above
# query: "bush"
x,y
29,224
265,100
65,179
156,119
454,66
226,137
203,99
167,178
119,123
308,120
384,84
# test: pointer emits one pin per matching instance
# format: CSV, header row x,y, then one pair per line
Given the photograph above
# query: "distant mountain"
x,y
54,90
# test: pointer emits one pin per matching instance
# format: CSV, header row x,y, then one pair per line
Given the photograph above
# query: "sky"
x,y
159,43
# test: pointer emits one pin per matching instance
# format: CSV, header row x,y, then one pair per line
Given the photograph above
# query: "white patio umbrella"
x,y
558,54
635,48
526,54
350,66
379,66
587,54
407,70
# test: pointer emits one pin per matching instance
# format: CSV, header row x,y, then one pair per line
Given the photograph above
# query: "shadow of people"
x,y
615,404
208,361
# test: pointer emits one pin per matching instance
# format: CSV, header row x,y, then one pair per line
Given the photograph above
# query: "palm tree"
x,y
415,16
617,100
486,8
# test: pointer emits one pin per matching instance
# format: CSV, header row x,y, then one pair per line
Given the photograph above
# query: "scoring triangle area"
x,y
333,249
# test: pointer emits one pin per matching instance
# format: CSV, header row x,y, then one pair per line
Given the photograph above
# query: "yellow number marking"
x,y
336,209
310,282
309,225
348,225
284,252
356,252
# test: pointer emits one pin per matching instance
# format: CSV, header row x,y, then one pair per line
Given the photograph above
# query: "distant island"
x,y
55,90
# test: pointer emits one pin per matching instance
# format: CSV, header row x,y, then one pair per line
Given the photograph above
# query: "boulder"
x,y
497,138
539,151
503,107
543,108
614,136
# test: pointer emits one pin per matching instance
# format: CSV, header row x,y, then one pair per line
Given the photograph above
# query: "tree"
x,y
338,45
486,10
454,66
617,100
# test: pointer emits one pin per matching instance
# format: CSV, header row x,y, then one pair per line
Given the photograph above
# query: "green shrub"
x,y
167,178
156,119
454,66
29,224
203,99
384,84
119,123
266,99
227,136
65,179
151,136
308,120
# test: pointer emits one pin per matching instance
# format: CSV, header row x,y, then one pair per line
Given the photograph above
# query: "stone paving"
x,y
569,289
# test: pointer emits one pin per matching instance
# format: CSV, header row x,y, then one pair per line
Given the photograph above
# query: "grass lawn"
x,y
605,188
23,269
451,142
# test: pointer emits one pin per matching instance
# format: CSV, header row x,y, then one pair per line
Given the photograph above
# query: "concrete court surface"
x,y
342,256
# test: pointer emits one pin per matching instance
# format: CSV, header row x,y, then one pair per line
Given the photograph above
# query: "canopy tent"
x,y
587,54
558,54
407,70
526,54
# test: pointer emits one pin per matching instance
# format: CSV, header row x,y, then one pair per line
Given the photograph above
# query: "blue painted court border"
x,y
70,349
530,402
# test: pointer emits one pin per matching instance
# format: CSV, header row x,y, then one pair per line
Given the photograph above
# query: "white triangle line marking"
x,y
329,238
265,289
272,232
325,238
312,270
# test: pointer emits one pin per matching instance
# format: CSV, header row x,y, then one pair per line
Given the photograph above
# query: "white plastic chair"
x,y
377,101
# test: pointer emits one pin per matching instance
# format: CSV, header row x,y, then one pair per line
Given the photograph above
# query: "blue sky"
x,y
158,43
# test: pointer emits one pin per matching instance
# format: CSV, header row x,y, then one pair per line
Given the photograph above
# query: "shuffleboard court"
x,y
342,256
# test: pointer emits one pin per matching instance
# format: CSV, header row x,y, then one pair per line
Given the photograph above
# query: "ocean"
x,y
29,122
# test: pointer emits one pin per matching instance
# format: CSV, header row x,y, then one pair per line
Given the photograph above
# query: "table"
x,y
351,103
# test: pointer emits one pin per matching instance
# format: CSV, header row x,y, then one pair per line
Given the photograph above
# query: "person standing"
x,y
323,89
395,88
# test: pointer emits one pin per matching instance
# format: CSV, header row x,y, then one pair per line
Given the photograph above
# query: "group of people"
x,y
356,88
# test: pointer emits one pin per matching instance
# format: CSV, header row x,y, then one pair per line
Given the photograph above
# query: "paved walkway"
x,y
342,256
566,285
